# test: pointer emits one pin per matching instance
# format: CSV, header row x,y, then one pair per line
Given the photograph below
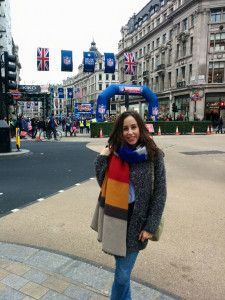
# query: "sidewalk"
x,y
30,273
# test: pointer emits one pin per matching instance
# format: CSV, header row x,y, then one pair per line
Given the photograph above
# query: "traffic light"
x,y
222,105
174,108
127,100
10,66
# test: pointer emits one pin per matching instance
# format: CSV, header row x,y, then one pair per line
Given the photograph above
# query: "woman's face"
x,y
131,132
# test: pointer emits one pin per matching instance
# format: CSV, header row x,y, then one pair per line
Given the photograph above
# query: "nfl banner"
x,y
89,62
61,93
129,63
43,59
66,61
110,62
70,93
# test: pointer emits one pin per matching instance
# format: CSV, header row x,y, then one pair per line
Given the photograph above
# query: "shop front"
x,y
212,107
183,104
164,107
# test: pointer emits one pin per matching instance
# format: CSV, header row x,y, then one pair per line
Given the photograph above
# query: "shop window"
x,y
217,41
216,72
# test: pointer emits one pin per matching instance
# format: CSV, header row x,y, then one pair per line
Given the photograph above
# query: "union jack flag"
x,y
129,63
43,59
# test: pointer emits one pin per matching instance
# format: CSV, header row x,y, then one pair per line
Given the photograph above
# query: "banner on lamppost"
x,y
61,93
89,62
110,62
66,61
69,93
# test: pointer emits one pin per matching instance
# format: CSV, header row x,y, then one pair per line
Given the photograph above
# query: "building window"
x,y
100,66
100,77
169,79
148,48
149,28
100,86
153,45
158,21
178,28
157,61
183,73
164,38
179,2
158,42
163,82
156,83
190,73
177,73
170,56
140,35
184,48
165,17
217,15
153,64
192,20
113,77
106,85
191,45
140,52
144,50
136,55
217,41
171,34
178,51
107,76
185,24
216,72
163,58
136,38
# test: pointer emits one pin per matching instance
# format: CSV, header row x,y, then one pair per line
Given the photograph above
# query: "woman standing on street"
x,y
128,211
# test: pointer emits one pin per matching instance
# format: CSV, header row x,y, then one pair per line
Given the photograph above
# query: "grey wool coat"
x,y
148,208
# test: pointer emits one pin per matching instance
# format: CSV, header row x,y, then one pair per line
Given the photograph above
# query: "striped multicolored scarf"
x,y
110,219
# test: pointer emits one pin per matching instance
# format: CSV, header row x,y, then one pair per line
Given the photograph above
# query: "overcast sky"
x,y
66,25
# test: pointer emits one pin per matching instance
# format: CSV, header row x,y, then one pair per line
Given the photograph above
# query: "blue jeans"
x,y
121,285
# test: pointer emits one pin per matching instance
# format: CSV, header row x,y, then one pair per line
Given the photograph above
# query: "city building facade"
x,y
179,49
90,84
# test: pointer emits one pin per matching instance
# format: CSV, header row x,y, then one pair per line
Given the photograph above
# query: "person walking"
x,y
34,126
128,210
220,125
54,124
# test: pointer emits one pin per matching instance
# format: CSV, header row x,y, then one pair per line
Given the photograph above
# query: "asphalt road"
x,y
48,168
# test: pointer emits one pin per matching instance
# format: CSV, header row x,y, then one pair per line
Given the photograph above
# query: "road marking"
x,y
1,193
41,199
14,210
77,184
61,191
92,178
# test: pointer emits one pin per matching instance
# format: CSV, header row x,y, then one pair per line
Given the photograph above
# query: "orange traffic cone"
x,y
177,132
159,131
101,135
208,131
211,129
193,130
38,136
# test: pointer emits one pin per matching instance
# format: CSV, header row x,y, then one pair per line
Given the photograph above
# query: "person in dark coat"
x,y
126,170
220,125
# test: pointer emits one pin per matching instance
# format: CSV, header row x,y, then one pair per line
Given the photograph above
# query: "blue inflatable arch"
x,y
121,89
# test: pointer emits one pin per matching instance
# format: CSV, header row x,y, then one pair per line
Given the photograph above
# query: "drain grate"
x,y
202,152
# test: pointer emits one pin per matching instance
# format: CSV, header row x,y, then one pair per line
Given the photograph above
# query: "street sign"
x,y
195,97
16,94
150,127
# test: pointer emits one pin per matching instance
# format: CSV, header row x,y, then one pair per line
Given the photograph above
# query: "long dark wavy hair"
x,y
116,138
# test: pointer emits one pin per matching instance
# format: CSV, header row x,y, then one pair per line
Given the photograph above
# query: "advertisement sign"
x,y
131,89
30,89
83,108
150,127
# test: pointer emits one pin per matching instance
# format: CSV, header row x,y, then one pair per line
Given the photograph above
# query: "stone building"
x,y
179,49
91,84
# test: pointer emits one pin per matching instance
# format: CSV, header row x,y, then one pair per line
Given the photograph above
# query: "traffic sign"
x,y
196,97
16,94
